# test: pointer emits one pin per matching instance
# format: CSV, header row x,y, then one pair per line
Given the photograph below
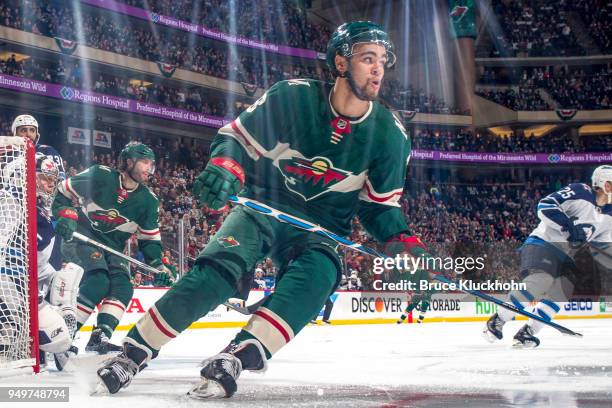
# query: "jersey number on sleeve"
x,y
257,103
566,192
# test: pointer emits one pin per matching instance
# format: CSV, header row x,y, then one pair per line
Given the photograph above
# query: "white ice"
x,y
427,365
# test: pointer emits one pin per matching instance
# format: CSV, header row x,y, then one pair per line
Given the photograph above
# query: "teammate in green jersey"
x,y
322,152
109,206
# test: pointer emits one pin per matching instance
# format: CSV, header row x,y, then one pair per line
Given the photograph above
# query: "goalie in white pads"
x,y
57,284
54,333
570,218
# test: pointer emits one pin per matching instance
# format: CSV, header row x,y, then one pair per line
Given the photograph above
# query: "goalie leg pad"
x,y
53,333
65,285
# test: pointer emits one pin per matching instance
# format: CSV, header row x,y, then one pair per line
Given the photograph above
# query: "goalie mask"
x,y
47,178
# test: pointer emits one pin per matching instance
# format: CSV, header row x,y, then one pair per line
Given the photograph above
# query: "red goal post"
x,y
18,261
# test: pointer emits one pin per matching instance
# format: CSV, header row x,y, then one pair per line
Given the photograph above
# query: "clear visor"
x,y
389,57
144,164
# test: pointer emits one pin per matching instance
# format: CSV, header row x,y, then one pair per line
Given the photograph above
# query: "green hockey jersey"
x,y
110,214
300,156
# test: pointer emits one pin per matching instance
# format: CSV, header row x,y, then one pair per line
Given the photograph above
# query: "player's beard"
x,y
361,93
131,174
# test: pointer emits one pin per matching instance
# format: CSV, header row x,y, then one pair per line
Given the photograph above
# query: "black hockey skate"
x,y
219,376
525,338
493,329
219,373
100,343
61,359
117,372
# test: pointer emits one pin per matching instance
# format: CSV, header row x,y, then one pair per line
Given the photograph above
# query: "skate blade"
x,y
99,389
68,367
207,389
490,337
520,345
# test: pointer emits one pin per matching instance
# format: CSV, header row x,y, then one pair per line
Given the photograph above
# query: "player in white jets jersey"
x,y
570,219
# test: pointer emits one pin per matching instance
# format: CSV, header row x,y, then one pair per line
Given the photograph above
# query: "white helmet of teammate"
x,y
25,120
601,175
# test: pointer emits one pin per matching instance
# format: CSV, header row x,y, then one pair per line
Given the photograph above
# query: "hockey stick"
x,y
108,249
244,310
600,250
302,224
308,226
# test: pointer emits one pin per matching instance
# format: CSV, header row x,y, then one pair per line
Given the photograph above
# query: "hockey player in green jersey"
x,y
322,152
109,206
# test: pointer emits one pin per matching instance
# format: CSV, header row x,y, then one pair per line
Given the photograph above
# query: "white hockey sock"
x,y
537,284
546,309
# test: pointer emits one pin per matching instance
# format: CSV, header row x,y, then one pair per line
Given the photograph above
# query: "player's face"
x,y
46,183
368,68
142,170
27,131
602,194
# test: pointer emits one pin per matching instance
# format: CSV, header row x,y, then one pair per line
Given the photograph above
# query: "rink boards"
x,y
375,307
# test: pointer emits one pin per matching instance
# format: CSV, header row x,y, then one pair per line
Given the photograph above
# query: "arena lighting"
x,y
444,67
405,54
87,112
233,52
536,131
595,129
5,55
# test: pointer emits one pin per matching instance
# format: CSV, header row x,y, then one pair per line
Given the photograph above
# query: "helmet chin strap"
x,y
128,172
608,195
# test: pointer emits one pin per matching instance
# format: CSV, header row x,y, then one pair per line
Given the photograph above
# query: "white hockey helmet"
x,y
25,120
601,175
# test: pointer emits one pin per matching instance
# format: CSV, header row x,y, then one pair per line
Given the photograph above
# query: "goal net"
x,y
18,275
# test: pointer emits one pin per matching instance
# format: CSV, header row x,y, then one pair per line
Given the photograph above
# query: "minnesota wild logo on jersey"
x,y
106,220
310,178
228,241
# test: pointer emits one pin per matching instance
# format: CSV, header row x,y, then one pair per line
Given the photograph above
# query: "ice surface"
x,y
428,365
